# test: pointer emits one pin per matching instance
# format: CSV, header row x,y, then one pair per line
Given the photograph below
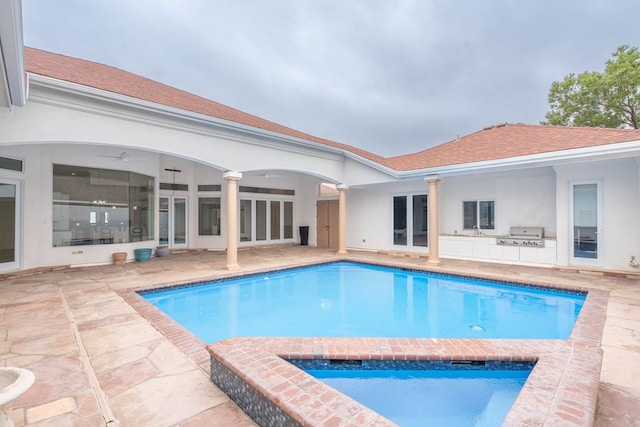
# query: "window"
x,y
479,215
410,220
209,187
173,186
209,216
11,164
260,190
101,206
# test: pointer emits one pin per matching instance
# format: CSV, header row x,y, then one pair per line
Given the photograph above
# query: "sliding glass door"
x,y
410,220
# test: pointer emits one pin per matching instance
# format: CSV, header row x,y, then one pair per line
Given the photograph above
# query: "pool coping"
x,y
561,390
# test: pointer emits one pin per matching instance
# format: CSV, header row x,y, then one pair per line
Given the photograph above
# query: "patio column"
x,y
342,219
434,256
232,179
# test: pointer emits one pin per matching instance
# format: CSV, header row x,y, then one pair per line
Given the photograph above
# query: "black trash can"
x,y
304,235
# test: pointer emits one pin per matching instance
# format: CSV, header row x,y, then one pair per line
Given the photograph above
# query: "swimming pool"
x,y
346,299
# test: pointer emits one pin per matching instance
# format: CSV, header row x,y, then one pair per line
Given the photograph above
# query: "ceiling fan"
x,y
124,156
267,174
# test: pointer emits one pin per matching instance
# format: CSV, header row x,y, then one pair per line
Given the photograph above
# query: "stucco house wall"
x,y
522,198
620,215
369,213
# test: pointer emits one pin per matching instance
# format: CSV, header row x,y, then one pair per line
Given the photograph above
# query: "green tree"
x,y
610,99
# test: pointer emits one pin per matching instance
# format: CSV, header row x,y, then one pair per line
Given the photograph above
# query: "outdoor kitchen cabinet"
x,y
546,255
504,253
465,246
485,248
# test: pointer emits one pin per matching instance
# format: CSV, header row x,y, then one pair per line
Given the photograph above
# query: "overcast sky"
x,y
389,76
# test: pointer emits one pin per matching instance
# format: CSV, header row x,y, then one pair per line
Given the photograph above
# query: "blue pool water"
x,y
347,299
431,397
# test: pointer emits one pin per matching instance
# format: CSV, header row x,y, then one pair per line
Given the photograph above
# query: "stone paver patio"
x,y
99,361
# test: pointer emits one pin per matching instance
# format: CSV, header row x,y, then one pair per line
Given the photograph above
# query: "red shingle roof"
x,y
498,142
511,140
122,82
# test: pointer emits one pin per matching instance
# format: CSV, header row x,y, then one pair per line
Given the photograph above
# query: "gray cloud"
x,y
389,76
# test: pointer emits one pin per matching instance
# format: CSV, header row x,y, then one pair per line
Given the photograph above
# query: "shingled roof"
x,y
115,80
493,143
511,140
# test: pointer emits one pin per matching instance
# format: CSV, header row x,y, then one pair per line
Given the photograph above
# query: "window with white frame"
x,y
94,206
209,216
479,215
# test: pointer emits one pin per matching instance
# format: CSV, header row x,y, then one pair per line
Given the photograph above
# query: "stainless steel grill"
x,y
523,236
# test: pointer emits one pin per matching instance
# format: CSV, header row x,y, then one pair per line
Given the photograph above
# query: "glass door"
x,y
173,221
410,221
586,221
179,222
164,221
9,226
263,221
246,220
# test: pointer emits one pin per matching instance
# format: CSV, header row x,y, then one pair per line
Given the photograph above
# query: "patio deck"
x,y
99,361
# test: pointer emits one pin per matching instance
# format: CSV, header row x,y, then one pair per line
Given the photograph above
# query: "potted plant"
x,y
119,258
162,251
142,254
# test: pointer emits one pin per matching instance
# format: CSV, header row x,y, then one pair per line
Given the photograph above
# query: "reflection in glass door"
x,y
586,228
275,219
164,220
8,226
179,221
246,220
410,220
173,221
263,220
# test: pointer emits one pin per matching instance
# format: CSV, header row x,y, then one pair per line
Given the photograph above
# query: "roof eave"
x,y
555,158
100,94
13,77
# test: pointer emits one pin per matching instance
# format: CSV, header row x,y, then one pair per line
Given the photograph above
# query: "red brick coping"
x,y
561,390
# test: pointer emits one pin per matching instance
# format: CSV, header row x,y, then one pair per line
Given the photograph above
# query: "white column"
x,y
434,256
342,219
232,179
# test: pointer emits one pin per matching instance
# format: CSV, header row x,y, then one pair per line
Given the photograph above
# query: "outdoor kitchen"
x,y
521,244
